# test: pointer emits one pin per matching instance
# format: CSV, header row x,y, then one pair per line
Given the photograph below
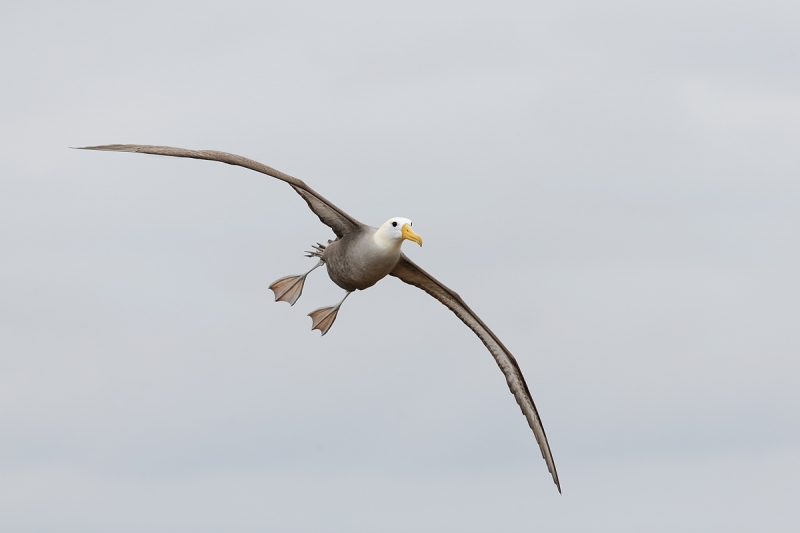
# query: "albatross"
x,y
357,259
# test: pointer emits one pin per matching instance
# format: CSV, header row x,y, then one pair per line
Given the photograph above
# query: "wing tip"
x,y
110,147
553,472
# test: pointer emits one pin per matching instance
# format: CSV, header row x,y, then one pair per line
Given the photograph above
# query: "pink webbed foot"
x,y
323,318
288,289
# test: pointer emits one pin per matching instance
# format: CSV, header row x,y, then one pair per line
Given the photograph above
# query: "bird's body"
x,y
366,255
361,256
357,261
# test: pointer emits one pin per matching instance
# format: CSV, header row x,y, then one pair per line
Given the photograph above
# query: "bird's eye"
x,y
394,224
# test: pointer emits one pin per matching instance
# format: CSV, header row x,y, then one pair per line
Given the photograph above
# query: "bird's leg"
x,y
290,288
322,319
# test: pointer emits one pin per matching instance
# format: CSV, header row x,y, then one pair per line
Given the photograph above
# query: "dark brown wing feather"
x,y
410,273
340,222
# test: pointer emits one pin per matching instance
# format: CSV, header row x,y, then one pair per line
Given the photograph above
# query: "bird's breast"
x,y
356,264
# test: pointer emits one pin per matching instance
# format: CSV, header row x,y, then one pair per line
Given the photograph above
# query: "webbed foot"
x,y
288,289
323,318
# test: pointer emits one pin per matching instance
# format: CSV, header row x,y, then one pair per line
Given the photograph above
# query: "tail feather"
x,y
319,249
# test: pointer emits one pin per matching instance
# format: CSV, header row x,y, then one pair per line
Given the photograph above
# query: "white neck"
x,y
385,241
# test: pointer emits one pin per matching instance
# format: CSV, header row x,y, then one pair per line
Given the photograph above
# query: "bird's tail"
x,y
319,249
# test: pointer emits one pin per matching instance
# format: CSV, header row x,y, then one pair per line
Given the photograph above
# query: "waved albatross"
x,y
359,257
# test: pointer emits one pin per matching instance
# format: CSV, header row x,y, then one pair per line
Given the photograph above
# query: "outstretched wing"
x,y
340,222
410,273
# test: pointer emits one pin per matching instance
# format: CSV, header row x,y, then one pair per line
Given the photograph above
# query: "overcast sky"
x,y
613,187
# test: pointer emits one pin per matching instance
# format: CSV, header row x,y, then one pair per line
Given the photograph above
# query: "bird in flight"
x,y
357,259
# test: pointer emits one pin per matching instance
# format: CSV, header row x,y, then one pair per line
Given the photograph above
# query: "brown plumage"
x,y
360,257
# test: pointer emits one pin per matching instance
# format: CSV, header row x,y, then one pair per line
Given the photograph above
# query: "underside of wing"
x,y
340,222
410,273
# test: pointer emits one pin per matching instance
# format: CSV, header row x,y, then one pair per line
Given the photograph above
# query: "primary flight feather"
x,y
361,256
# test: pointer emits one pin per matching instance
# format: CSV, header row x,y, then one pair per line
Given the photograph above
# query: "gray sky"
x,y
613,188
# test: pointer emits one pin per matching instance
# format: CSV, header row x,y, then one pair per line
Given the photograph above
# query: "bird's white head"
x,y
395,230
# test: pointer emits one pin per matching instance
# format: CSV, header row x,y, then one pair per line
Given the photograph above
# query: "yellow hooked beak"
x,y
411,235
